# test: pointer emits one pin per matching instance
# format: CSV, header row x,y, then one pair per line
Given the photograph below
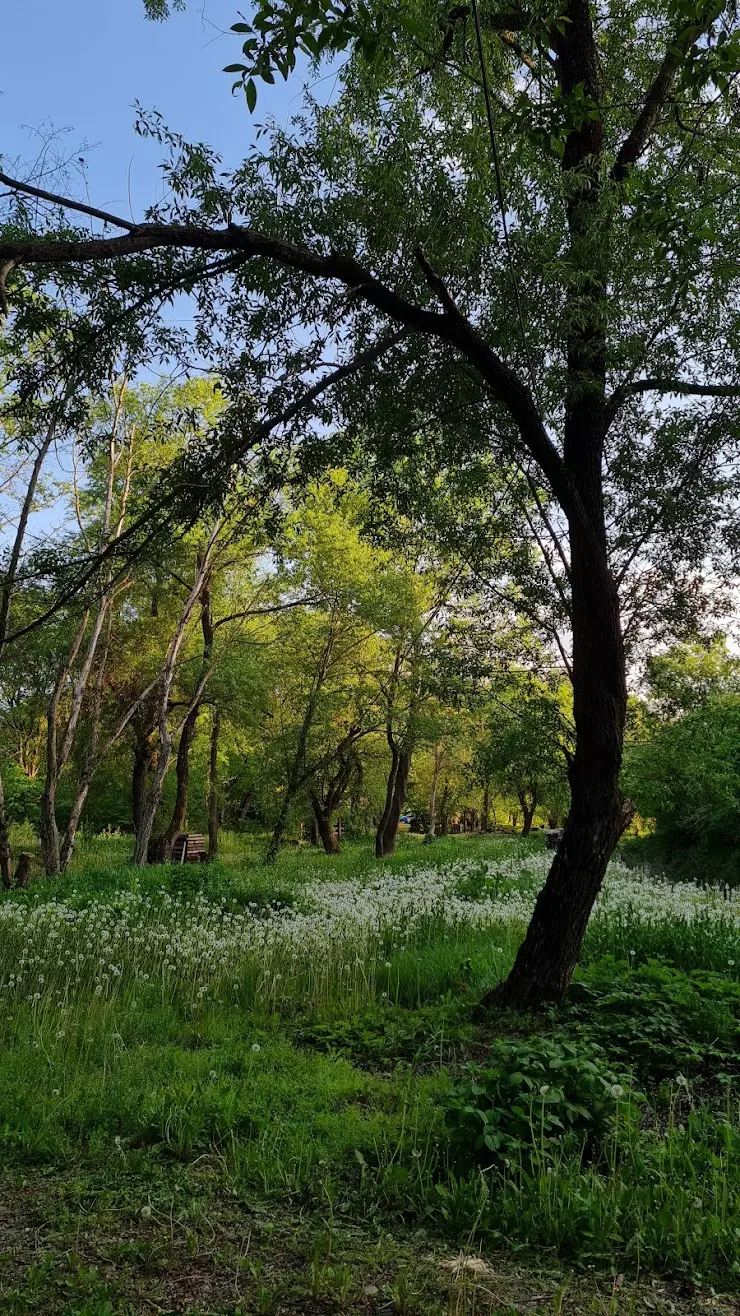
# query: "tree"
x,y
528,743
686,776
324,698
687,674
609,261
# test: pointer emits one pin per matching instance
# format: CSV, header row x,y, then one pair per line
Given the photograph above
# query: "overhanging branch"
x,y
450,326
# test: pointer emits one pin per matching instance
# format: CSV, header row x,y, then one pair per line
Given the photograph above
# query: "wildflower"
x,y
146,1213
256,1047
544,1090
55,1092
213,1074
616,1090
682,1081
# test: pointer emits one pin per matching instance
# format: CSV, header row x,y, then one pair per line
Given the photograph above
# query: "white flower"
x,y
256,1047
544,1090
616,1090
146,1213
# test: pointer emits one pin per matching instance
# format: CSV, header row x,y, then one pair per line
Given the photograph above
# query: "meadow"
x,y
225,1088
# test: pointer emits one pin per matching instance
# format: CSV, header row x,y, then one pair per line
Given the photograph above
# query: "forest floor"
x,y
226,1089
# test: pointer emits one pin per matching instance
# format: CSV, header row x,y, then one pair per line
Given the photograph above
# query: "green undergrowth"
x,y
604,1133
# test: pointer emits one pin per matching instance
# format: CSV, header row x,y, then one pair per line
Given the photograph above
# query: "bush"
x,y
656,1018
534,1097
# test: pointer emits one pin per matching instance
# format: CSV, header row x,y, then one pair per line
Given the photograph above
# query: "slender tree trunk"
x,y
10,575
385,840
245,806
444,811
529,806
153,795
296,767
213,785
6,854
432,828
182,771
278,831
388,806
485,823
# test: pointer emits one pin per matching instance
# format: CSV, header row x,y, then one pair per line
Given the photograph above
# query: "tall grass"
x,y
303,1025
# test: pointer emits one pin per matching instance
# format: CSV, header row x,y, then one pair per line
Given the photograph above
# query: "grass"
x,y
231,1089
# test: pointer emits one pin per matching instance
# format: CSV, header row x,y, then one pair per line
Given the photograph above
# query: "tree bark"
x,y
6,854
145,756
432,826
385,838
153,794
213,785
324,824
278,831
529,807
182,772
598,813
485,822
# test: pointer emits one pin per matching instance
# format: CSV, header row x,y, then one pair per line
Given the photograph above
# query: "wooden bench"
x,y
188,848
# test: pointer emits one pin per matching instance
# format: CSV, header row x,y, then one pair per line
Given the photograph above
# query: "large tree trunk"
x,y
145,757
549,952
598,812
213,785
324,824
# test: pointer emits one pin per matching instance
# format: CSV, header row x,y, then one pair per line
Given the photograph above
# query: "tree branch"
x,y
639,136
451,326
260,431
30,190
679,387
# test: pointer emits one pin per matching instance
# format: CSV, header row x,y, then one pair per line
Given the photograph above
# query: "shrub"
x,y
533,1097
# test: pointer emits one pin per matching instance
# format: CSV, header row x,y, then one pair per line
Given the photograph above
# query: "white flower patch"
x,y
341,939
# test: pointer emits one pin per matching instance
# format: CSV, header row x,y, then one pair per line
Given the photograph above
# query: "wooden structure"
x,y
189,848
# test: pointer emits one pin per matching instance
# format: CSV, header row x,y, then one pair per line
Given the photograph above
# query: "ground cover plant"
x,y
195,1058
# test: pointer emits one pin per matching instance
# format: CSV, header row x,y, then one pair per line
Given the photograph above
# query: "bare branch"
x,y
656,96
30,190
679,387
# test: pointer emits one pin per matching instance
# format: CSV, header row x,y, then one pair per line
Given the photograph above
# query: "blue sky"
x,y
77,66
73,69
